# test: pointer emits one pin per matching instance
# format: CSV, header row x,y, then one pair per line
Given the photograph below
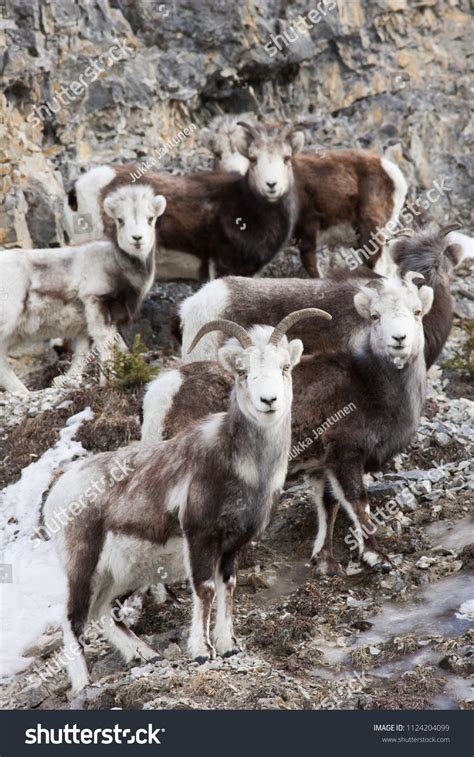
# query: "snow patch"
x,y
466,611
34,598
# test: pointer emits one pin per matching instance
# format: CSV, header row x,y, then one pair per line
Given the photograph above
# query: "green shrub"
x,y
128,369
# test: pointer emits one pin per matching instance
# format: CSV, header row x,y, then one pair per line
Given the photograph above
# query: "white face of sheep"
x,y
263,377
269,155
227,157
135,210
228,160
395,310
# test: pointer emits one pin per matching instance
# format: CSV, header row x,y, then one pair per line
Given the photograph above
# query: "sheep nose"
x,y
268,400
271,184
137,237
400,339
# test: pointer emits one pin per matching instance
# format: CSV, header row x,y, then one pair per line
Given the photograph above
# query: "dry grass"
x,y
115,424
415,690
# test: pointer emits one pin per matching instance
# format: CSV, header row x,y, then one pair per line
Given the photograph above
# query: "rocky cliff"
x,y
88,81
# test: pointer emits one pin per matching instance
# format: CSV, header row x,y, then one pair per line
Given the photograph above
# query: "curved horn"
x,y
298,315
375,284
227,327
452,227
286,130
405,232
250,128
410,275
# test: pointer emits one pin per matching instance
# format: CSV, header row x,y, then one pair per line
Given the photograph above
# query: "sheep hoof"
x,y
209,655
335,571
378,561
230,652
201,659
326,566
383,567
145,653
64,382
21,392
227,646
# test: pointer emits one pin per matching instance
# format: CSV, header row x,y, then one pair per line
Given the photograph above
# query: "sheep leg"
x,y
75,659
104,335
348,487
202,567
371,554
345,479
327,508
114,629
106,353
80,570
370,235
224,639
74,373
308,251
8,379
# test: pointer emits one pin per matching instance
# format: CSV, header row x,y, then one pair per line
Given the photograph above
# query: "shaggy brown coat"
x,y
341,186
267,301
202,214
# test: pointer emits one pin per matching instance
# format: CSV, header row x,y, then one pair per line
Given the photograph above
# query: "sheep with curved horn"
x,y
353,409
251,129
208,491
249,301
221,137
344,196
216,224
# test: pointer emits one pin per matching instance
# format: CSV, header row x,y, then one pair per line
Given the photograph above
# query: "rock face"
x,y
92,81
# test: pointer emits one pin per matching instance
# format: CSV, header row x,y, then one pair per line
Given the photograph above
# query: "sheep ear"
x,y
109,207
455,254
426,295
362,303
297,141
228,356
295,348
159,205
241,141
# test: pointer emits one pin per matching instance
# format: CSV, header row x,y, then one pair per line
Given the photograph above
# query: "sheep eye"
x,y
253,160
418,312
120,221
375,316
286,368
287,159
242,373
150,220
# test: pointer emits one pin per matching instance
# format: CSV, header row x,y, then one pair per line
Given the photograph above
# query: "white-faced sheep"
x,y
343,195
433,253
81,292
352,411
222,137
210,490
230,223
